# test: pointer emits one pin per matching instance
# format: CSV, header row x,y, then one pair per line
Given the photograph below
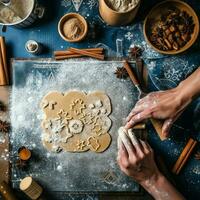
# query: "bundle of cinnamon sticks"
x,y
96,53
4,77
184,156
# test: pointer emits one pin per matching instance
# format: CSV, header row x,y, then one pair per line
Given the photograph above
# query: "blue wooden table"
x,y
164,71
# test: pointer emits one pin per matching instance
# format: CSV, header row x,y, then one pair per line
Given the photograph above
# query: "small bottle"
x,y
33,47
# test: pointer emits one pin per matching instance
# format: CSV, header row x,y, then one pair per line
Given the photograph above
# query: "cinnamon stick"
x,y
2,72
68,56
68,52
130,73
184,156
4,57
86,53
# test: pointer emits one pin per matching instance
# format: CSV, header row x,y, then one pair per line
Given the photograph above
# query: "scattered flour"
x,y
26,120
59,168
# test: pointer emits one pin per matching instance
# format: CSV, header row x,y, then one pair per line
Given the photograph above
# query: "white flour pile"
x,y
122,5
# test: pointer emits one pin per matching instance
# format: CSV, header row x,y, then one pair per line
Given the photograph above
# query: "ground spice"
x,y
73,28
24,153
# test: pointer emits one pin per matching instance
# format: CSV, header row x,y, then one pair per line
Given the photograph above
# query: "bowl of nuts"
x,y
171,27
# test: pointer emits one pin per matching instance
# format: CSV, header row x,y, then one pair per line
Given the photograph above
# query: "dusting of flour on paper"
x,y
77,122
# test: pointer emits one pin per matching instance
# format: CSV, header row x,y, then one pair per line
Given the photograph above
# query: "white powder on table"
x,y
122,5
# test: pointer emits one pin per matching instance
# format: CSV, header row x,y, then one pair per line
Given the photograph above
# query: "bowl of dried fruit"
x,y
171,27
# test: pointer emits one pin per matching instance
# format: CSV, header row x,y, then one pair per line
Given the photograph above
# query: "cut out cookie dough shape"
x,y
77,122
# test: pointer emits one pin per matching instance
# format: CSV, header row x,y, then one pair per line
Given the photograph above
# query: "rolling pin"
x,y
157,124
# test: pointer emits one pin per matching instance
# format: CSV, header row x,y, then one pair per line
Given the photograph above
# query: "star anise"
x,y
197,155
4,127
135,52
121,73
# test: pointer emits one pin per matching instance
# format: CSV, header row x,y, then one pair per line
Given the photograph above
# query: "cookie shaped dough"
x,y
76,121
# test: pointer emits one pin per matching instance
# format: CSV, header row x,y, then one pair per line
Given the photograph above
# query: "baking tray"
x,y
69,172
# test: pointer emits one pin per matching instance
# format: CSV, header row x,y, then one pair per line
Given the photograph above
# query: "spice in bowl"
x,y
122,5
173,31
24,153
33,47
72,27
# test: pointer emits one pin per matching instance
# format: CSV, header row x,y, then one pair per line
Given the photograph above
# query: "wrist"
x,y
189,89
154,181
161,188
184,94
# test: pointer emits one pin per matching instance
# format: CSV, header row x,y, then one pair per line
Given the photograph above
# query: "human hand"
x,y
136,157
165,105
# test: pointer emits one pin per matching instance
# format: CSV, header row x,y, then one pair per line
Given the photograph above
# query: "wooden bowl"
x,y
67,17
161,9
114,18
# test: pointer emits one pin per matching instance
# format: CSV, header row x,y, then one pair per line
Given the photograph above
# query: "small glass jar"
x,y
33,47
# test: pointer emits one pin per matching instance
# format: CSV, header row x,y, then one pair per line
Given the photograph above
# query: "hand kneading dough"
x,y
76,122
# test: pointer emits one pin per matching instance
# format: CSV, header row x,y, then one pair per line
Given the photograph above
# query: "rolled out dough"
x,y
76,121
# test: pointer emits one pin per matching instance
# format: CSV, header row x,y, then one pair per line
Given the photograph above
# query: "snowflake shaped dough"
x,y
64,116
76,126
78,106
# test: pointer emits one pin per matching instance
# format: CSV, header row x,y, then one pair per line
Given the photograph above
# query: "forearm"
x,y
190,87
161,189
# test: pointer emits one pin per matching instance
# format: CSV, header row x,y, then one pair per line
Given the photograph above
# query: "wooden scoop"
x,y
156,123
